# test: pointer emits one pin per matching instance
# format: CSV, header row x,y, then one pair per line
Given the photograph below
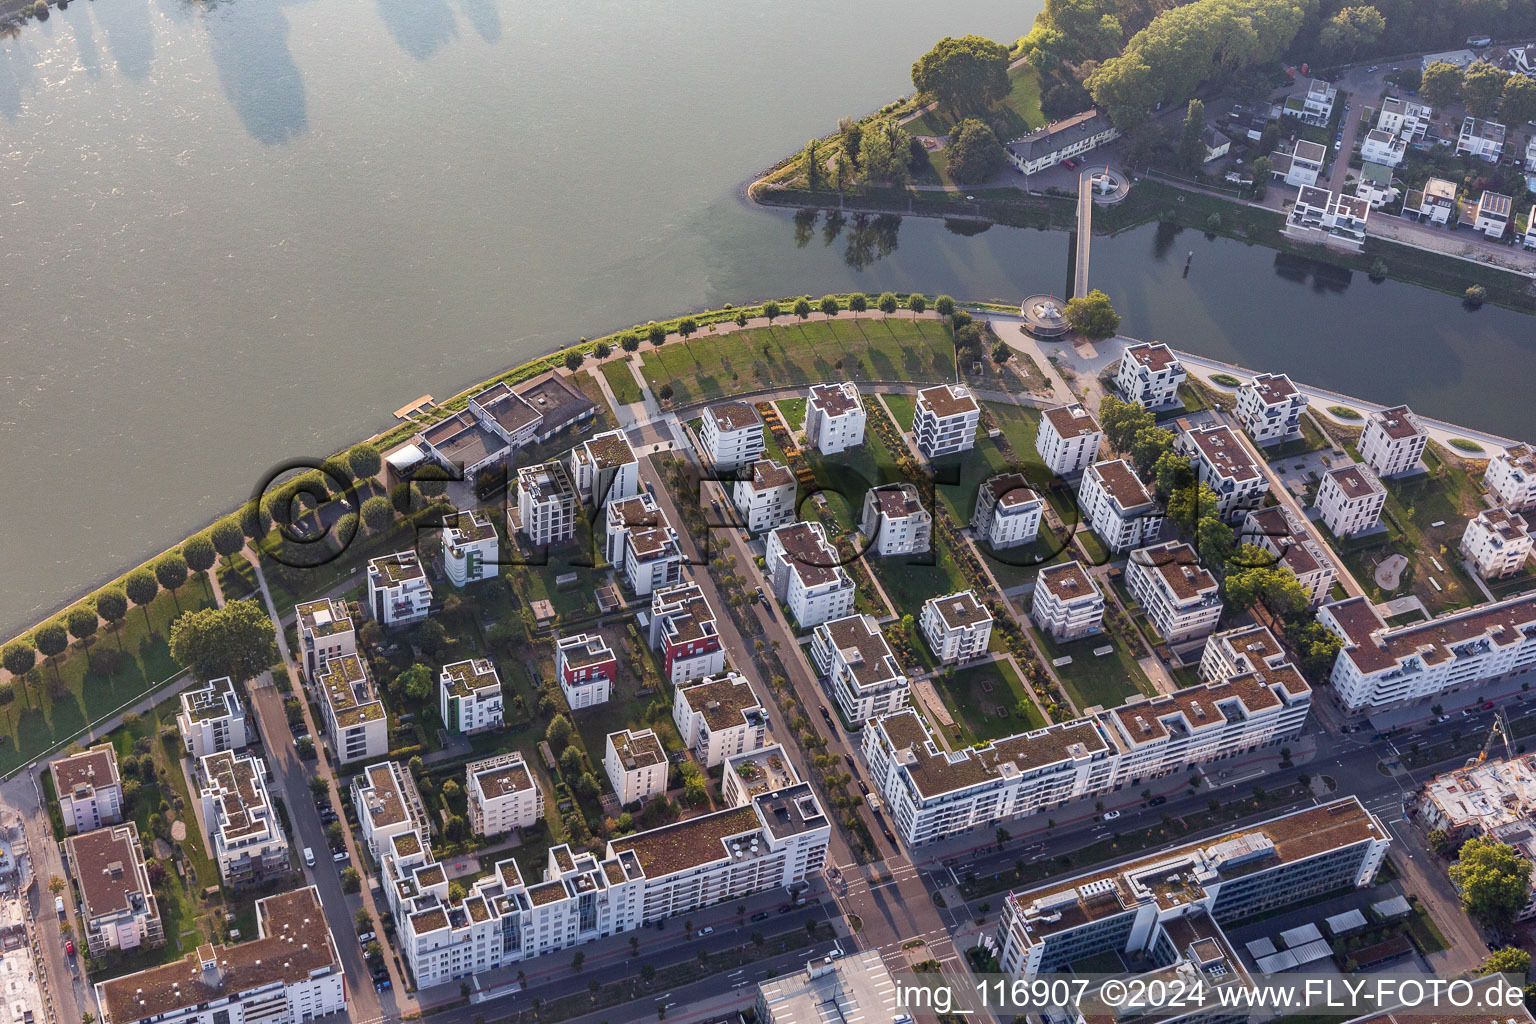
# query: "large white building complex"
x,y
862,672
547,505
806,573
212,719
957,627
945,420
1182,600
1068,439
1511,478
503,794
117,903
399,593
683,630
354,716
1067,603
732,435
642,545
636,765
1270,407
765,498
1497,541
834,418
855,987
248,841
88,788
1493,799
1350,499
1225,465
1118,506
604,468
1393,441
471,548
1150,375
326,631
1381,666
469,696
289,973
894,520
388,805
1008,511
720,717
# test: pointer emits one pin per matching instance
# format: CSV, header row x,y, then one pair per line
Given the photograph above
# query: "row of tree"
x,y
1485,91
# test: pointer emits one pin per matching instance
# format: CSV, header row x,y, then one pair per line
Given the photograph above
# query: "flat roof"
x,y
948,400
1067,581
1011,492
688,844
609,449
1399,423
1226,455
863,649
466,678
732,416
637,749
558,402
856,987
1179,567
1374,647
109,864
897,501
1356,481
1071,421
400,567
94,767
960,609
809,554
325,617
935,772
500,775
768,475
1121,483
724,700
1155,356
835,399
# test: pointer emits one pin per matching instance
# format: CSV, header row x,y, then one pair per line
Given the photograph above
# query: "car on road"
x,y
309,856
890,837
864,787
58,905
1371,70
1157,801
339,857
1487,705
69,947
706,929
760,917
849,758
1443,718
1070,164
1111,815
825,713
786,908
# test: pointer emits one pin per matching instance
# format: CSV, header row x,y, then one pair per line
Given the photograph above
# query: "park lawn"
x,y
909,583
626,389
985,700
1018,566
1019,111
903,409
1109,680
843,478
793,412
1311,440
802,352
236,577
61,700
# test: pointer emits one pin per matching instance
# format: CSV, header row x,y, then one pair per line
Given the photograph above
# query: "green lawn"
x,y
1019,110
985,701
903,409
793,411
793,353
625,388
909,583
1090,679
1311,440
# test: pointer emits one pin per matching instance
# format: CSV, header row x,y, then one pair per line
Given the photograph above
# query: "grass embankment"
x,y
626,390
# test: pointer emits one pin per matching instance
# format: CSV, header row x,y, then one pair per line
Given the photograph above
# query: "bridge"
x,y
1083,234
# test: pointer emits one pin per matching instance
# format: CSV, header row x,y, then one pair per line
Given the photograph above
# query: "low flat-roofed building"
x,y
895,521
387,803
1497,541
1150,375
765,496
1008,511
720,716
469,696
732,435
862,672
945,420
1269,408
1436,202
326,631
212,719
503,794
398,590
117,904
1275,530
642,546
352,712
1049,145
805,572
957,627
587,668
1118,506
1068,439
834,418
636,765
1494,214
831,990
289,973
1350,499
547,504
1406,118
1482,139
1383,147
1393,441
603,468
1067,603
1511,478
88,788
248,841
1227,466
683,629
1182,600
471,548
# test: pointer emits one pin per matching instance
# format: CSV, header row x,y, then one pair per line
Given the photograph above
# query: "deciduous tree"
x,y
1519,104
965,74
365,461
227,536
1482,87
142,588
1494,881
171,572
973,152
237,640
1191,141
1352,28
18,656
1092,316
1441,83
199,553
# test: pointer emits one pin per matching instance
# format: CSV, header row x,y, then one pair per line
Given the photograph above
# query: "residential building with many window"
x,y
861,671
547,505
806,573
636,765
118,908
502,794
1511,478
1227,466
399,592
1482,139
1182,600
642,546
1393,441
248,841
1382,147
732,435
88,788
469,696
586,667
1270,408
1150,375
1008,511
1275,530
1067,603
471,548
1498,542
326,631
1302,165
1350,499
212,719
720,716
603,468
352,713
1073,136
1118,506
945,420
1406,118
765,497
834,418
957,626
1068,439
1315,106
1494,214
894,520
388,804
1436,203
683,629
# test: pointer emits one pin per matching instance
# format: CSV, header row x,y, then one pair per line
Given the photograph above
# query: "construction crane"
x,y
1500,728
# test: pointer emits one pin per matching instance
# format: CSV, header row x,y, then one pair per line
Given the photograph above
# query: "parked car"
x,y
1487,705
760,917
786,908
309,856
69,946
825,713
1070,164
365,938
890,836
1111,815
1157,801
864,787
340,856
58,904
706,929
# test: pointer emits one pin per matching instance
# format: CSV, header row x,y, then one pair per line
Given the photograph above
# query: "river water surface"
x,y
243,230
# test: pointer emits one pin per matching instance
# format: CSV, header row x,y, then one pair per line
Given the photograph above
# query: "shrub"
x,y
1474,296
1213,223
1462,444
1226,380
1379,269
1344,412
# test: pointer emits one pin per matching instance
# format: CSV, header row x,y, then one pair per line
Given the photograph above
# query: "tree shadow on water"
x,y
130,36
871,239
485,18
419,27
249,45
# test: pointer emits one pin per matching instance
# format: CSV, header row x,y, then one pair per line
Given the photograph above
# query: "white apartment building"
x,y
720,716
603,468
1511,478
1494,212
547,504
1350,499
1275,530
471,548
1393,441
683,630
806,573
586,667
636,765
117,904
1150,375
1068,439
1383,147
288,974
1316,104
1269,408
1497,541
834,418
956,626
642,546
1227,466
732,435
1437,203
1302,165
503,794
1067,603
945,420
1117,505
1490,799
861,671
1047,146
894,521
388,804
1406,118
1380,666
1482,139
352,712
469,696
1008,511
326,631
248,841
212,719
1182,600
88,788
765,499
398,590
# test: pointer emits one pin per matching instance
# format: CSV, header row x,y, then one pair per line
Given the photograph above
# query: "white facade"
x,y
834,418
547,504
118,908
1150,375
1302,165
1070,137
636,765
1068,439
469,696
945,420
1393,441
586,667
1225,465
642,546
353,714
88,788
894,520
1350,499
387,803
1405,118
1383,147
765,499
604,468
683,629
1437,202
1482,139
503,794
1275,530
1182,600
861,671
326,631
471,549
1497,541
1511,478
1067,603
732,435
399,593
719,717
806,573
212,719
1008,511
248,841
1528,240
957,627
1494,213
1117,505
1270,407
1380,667
1317,101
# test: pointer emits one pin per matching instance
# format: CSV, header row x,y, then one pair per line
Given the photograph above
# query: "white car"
x,y
309,856
1111,815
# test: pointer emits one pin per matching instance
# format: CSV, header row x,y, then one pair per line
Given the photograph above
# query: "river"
x,y
242,231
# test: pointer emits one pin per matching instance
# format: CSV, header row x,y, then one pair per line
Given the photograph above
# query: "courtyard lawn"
x,y
985,701
797,353
903,408
1311,440
793,411
621,380
1019,111
1109,680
